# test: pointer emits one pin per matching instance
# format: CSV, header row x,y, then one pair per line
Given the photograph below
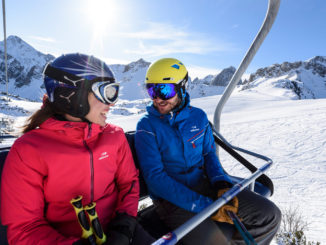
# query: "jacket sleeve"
x,y
214,169
158,181
127,180
22,201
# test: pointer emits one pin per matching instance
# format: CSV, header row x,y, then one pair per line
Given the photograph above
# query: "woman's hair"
x,y
34,121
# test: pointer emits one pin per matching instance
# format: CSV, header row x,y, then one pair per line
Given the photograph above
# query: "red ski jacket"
x,y
49,166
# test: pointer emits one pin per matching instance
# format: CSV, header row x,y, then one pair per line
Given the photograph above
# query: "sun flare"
x,y
102,17
101,14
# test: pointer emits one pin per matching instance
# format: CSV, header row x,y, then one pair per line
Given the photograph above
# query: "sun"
x,y
101,14
102,17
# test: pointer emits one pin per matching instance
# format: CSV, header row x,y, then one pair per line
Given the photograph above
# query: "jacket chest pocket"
x,y
197,140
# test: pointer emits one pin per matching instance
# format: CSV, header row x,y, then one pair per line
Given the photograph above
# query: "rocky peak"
x,y
316,64
137,65
25,65
223,78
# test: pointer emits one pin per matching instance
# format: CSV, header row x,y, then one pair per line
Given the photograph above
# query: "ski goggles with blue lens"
x,y
163,91
106,92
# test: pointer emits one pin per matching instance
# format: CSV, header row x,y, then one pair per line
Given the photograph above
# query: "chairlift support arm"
x,y
273,6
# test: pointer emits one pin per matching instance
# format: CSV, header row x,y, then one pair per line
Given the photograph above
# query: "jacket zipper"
x,y
183,147
193,141
91,162
131,187
171,113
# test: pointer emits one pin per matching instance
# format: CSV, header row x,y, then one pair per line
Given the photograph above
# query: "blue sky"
x,y
207,35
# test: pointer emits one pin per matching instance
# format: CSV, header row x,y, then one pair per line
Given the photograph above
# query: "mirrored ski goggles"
x,y
106,92
163,91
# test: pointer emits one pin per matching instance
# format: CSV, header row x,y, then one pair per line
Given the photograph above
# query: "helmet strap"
x,y
182,88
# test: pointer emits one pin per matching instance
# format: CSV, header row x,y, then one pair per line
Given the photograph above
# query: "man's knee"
x,y
277,215
272,212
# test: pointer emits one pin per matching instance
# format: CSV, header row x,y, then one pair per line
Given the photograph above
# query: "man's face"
x,y
165,106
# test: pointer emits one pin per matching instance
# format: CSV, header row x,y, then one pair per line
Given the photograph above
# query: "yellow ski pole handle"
x,y
95,222
87,232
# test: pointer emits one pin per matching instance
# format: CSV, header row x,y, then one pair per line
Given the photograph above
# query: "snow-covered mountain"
x,y
25,66
211,84
299,80
131,77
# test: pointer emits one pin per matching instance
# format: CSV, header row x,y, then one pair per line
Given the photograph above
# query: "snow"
x,y
291,132
263,116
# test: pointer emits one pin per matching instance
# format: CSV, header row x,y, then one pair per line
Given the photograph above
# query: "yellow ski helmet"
x,y
168,70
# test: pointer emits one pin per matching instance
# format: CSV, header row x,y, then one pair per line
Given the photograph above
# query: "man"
x,y
176,150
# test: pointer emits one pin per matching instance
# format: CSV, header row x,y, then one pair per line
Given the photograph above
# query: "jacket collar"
x,y
75,130
172,117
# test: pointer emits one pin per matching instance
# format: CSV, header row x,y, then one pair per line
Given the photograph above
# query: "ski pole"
x,y
95,223
87,232
247,237
173,237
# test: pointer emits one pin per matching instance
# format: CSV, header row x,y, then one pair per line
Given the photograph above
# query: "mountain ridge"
x,y
298,80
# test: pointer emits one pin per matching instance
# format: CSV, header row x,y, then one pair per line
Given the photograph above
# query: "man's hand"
x,y
222,215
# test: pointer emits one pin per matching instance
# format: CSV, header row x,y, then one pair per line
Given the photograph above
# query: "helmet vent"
x,y
176,66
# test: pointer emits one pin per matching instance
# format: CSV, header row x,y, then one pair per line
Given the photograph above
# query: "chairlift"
x,y
257,182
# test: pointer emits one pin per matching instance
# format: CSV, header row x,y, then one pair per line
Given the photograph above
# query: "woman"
x,y
68,150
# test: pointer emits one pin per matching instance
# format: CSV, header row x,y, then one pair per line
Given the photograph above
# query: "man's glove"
x,y
121,229
222,215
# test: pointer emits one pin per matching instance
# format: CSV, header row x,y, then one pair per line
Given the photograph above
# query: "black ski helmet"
x,y
68,81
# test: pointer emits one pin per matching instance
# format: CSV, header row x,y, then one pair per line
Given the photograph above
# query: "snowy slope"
x,y
291,132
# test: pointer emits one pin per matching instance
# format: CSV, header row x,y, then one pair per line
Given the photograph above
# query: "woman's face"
x,y
98,110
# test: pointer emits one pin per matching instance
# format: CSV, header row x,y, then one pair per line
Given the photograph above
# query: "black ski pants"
x,y
260,216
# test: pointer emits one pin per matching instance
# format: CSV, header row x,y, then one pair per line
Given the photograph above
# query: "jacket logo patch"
x,y
194,129
103,155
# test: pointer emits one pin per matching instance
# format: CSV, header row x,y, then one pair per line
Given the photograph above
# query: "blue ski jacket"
x,y
174,150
